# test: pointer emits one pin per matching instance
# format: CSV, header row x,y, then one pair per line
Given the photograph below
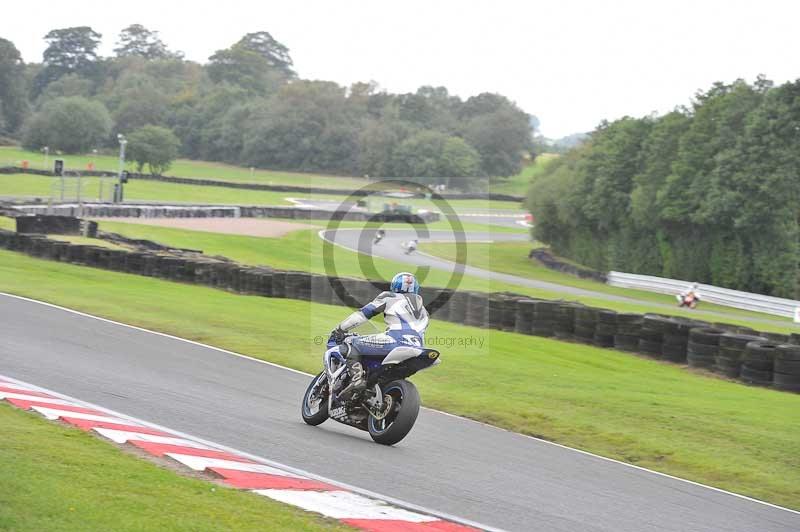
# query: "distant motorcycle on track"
x,y
410,246
387,408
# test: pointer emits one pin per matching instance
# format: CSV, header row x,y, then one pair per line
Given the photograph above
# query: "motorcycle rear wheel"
x,y
400,420
310,415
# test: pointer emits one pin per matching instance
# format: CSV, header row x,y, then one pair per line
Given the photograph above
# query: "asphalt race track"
x,y
449,464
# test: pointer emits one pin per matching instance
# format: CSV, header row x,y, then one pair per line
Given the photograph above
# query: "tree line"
x,y
708,193
248,106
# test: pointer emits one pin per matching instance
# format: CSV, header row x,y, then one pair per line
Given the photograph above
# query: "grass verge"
x,y
634,409
59,478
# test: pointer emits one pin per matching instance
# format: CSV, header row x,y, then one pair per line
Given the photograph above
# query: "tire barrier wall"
x,y
101,210
765,359
256,186
55,225
549,261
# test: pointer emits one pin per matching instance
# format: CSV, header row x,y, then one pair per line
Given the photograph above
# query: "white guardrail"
x,y
776,306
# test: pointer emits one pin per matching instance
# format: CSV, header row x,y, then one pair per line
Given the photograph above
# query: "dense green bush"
x,y
71,125
153,146
707,194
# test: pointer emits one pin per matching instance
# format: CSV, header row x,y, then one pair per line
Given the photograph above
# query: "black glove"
x,y
338,335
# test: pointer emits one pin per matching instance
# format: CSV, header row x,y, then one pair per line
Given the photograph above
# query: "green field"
x,y
13,156
634,409
33,186
512,258
42,187
518,185
303,250
57,478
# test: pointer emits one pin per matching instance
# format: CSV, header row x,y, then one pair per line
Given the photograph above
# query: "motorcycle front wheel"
x,y
402,414
315,401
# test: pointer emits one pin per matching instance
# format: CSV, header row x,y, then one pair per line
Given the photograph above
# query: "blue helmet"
x,y
404,283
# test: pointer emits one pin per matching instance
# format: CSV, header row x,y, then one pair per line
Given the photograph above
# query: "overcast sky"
x,y
571,63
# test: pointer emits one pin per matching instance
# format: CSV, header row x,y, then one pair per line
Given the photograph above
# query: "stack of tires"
x,y
676,339
458,307
524,318
544,318
731,352
497,303
629,326
703,347
585,324
786,373
758,363
477,309
298,285
441,298
510,310
605,329
651,335
279,284
775,338
321,290
564,327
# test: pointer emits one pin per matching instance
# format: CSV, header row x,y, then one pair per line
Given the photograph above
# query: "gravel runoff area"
x,y
234,226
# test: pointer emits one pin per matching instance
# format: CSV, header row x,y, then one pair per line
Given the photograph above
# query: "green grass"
x,y
57,478
303,250
43,187
31,186
13,156
642,411
518,185
512,258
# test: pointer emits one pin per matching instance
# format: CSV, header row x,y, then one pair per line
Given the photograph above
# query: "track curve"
x,y
447,463
391,247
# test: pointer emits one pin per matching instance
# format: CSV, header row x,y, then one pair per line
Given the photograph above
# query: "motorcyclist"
x,y
379,234
689,297
411,246
406,321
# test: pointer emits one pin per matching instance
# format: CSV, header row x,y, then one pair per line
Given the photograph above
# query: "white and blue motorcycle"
x,y
387,407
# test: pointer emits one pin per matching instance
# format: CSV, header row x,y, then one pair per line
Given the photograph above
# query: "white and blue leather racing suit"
x,y
406,321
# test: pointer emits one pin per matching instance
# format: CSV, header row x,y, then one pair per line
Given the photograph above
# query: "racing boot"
x,y
358,382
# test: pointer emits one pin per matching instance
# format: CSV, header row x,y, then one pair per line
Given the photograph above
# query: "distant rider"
x,y
689,297
379,234
405,317
411,246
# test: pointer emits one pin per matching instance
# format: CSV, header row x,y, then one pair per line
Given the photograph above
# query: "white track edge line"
x,y
587,453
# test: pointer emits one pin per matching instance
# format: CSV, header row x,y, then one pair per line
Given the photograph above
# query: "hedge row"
x,y
758,358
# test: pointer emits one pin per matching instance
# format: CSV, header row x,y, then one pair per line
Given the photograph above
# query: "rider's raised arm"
x,y
366,313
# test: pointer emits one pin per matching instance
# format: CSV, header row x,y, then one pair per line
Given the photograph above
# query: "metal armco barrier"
x,y
712,294
99,210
